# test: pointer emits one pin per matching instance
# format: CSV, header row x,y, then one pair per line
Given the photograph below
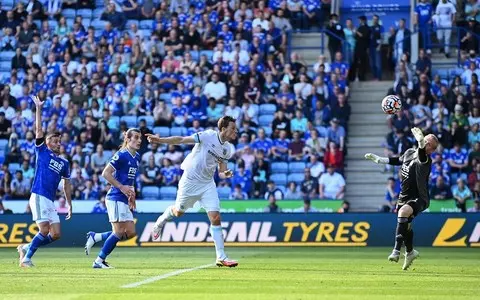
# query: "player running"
x,y
50,168
212,149
121,173
413,198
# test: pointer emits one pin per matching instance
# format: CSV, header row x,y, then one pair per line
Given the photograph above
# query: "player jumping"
x,y
50,168
413,198
121,173
212,149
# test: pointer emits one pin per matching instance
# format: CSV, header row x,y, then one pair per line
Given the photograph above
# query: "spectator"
x,y
20,187
170,174
261,173
273,190
307,207
238,193
475,208
215,89
334,157
292,193
461,193
272,205
100,207
336,29
151,174
295,148
359,65
332,184
173,154
242,177
309,186
392,193
345,207
445,17
98,160
458,161
424,64
90,192
441,190
280,147
336,133
116,19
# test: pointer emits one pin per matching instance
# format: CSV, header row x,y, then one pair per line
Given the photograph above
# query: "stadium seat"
x,y
52,25
268,131
99,3
265,120
3,144
282,188
114,123
98,24
2,160
5,66
177,131
108,153
70,22
296,167
146,24
129,23
161,131
7,56
231,166
150,193
166,97
68,13
8,4
223,193
148,119
13,167
279,167
267,109
86,23
296,177
208,53
443,73
130,120
97,13
147,33
168,193
85,13
279,179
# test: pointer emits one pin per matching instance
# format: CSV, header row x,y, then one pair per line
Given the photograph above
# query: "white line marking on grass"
x,y
164,276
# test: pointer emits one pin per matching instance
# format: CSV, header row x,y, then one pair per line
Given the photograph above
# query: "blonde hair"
x,y
128,135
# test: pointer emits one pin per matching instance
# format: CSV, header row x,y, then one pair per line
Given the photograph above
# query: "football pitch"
x,y
263,273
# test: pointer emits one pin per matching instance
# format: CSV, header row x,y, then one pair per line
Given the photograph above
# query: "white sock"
x,y
395,251
99,260
97,237
165,217
25,247
217,235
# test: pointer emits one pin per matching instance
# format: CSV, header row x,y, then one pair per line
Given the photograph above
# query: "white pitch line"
x,y
164,276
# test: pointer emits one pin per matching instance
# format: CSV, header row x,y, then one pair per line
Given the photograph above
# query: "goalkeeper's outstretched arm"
x,y
394,161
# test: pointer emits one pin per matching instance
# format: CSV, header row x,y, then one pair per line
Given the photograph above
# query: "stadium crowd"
x,y
172,69
445,102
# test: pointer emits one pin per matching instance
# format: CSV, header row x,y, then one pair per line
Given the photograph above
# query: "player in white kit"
x,y
444,18
212,149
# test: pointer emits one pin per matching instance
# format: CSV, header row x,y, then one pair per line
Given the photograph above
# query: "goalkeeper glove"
x,y
418,134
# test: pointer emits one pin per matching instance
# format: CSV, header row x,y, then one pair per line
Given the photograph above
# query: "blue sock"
x,y
38,241
108,246
48,239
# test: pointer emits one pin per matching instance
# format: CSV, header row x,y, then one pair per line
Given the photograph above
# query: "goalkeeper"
x,y
413,199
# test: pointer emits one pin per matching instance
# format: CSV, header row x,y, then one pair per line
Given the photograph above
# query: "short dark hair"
x,y
224,121
53,134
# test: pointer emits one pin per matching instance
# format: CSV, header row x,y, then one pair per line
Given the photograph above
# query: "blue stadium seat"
x,y
99,3
86,23
223,193
3,145
279,179
221,106
7,56
98,24
114,123
85,13
108,153
208,53
161,131
148,119
97,13
68,13
146,24
166,97
265,120
268,131
70,22
130,120
231,166
2,160
4,76
38,23
150,193
177,131
147,33
443,73
52,25
279,167
8,4
5,66
267,109
296,177
296,167
13,167
129,23
168,193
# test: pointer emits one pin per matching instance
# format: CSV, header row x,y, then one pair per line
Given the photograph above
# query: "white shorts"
x,y
43,209
189,193
118,211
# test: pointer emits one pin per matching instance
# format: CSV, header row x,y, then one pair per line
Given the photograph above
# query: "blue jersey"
x,y
424,12
49,170
126,168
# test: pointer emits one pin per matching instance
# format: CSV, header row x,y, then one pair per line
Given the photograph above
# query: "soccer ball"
x,y
391,104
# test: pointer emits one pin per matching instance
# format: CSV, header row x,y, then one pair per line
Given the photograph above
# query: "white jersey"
x,y
445,11
200,165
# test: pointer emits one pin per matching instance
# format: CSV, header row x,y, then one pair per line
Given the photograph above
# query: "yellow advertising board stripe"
x,y
474,244
253,244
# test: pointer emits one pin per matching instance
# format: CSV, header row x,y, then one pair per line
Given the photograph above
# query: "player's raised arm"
x,y
38,117
394,161
172,140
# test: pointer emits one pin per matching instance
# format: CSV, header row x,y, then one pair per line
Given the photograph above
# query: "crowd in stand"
x,y
173,69
445,103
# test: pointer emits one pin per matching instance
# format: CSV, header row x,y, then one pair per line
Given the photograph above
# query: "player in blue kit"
x,y
121,173
50,169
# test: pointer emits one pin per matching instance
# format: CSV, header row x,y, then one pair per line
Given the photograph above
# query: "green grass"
x,y
264,273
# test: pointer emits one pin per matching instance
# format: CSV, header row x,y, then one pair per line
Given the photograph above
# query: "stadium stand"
x,y
170,69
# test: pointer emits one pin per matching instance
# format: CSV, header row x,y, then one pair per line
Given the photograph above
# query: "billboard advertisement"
x,y
338,230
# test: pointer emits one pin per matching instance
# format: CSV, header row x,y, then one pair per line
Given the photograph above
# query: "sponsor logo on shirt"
x,y
55,166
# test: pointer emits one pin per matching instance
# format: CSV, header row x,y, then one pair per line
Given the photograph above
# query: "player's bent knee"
x,y
177,213
55,236
214,218
406,211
